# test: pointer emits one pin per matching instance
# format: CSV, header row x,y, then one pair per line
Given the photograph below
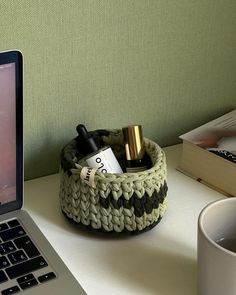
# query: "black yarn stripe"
x,y
140,205
102,231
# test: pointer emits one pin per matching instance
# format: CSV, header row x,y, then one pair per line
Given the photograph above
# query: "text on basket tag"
x,y
87,175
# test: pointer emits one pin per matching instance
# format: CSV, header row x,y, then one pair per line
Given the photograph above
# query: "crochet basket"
x,y
119,203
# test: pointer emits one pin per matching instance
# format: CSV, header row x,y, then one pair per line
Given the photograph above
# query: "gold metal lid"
x,y
133,140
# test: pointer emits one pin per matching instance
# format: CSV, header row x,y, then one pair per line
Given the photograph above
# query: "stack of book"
x,y
209,154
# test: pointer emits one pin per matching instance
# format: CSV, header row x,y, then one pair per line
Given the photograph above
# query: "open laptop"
x,y
28,263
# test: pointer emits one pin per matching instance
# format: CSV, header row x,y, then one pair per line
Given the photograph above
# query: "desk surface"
x,y
161,261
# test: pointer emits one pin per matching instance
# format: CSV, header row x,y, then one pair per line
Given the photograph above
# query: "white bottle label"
x,y
105,161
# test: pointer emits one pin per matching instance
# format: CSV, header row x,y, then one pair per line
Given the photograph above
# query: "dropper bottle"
x,y
95,156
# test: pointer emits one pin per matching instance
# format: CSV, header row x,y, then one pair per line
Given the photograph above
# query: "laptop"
x,y
28,263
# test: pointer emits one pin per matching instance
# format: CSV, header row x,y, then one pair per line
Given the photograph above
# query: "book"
x,y
209,154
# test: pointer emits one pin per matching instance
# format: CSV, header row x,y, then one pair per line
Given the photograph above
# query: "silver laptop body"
x,y
28,263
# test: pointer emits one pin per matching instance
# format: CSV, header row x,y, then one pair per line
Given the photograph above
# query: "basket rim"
x,y
129,176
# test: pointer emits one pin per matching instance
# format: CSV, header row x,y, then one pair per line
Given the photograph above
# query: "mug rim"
x,y
201,227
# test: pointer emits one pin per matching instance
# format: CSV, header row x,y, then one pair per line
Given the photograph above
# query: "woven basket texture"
x,y
127,202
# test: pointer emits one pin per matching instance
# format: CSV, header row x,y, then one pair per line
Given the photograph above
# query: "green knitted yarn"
x,y
127,202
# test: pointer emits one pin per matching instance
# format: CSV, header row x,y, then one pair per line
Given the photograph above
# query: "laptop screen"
x,y
10,130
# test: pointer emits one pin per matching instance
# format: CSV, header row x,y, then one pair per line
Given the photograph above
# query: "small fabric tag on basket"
x,y
87,175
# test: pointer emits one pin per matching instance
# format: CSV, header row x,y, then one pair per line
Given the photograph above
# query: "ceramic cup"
x,y
217,248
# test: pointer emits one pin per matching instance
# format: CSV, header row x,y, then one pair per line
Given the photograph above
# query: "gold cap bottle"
x,y
134,148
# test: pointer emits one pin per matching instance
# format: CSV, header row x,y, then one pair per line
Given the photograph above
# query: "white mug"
x,y
217,248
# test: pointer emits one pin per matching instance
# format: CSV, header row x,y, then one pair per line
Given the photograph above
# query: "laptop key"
x,y
4,262
26,267
6,248
27,245
11,290
46,277
13,223
12,233
3,226
25,278
17,256
3,277
28,284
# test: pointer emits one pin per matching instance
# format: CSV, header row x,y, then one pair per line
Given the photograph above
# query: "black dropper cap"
x,y
86,142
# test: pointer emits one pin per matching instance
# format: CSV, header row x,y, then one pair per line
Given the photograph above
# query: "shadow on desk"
x,y
151,269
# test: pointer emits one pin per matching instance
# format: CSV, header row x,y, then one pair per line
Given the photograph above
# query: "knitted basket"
x,y
120,203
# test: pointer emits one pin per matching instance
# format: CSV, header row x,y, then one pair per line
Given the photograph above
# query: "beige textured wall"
x,y
167,65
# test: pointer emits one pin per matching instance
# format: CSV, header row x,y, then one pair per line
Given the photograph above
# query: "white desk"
x,y
160,261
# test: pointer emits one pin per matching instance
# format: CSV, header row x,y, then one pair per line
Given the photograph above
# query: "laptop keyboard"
x,y
21,264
